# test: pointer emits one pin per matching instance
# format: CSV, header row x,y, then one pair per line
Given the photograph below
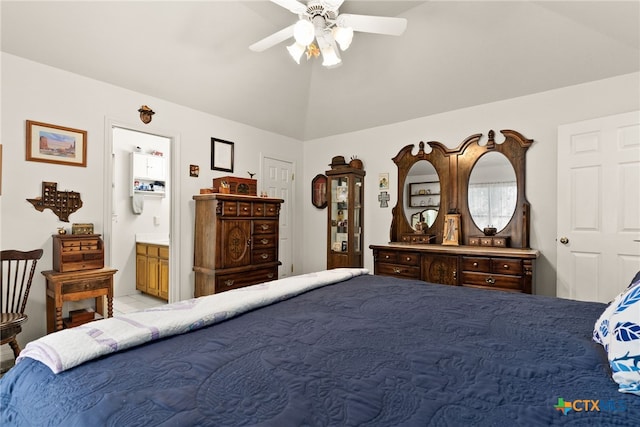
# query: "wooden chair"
x,y
16,271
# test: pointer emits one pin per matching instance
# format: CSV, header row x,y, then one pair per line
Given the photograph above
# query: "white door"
x,y
277,181
598,207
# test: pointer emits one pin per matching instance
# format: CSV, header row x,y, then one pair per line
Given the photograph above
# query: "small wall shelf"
x,y
148,174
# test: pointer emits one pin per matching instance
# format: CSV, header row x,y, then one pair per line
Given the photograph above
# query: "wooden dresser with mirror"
x,y
482,184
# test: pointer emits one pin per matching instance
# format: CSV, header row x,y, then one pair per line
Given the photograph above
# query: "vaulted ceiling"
x,y
453,54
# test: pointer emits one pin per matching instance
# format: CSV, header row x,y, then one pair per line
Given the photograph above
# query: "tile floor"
x,y
135,302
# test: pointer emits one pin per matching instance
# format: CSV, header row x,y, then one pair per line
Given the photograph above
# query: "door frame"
x,y
174,194
296,260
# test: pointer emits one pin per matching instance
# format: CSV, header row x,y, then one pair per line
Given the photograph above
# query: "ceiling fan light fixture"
x,y
296,50
321,21
343,36
330,56
304,32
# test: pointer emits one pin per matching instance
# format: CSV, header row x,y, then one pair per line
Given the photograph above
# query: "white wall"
x,y
536,116
32,91
37,92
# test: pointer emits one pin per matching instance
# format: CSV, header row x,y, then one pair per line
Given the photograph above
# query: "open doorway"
x,y
139,208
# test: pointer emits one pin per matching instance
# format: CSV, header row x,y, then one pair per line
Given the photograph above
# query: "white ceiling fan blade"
x,y
292,5
333,4
273,39
373,24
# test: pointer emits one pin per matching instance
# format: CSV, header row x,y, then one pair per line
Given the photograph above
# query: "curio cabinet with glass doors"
x,y
345,200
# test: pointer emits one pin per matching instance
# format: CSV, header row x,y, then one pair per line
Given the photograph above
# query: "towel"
x,y
137,203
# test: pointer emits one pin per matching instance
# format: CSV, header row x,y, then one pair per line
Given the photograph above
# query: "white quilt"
x,y
70,347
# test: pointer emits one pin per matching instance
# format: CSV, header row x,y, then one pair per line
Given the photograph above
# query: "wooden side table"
x,y
75,286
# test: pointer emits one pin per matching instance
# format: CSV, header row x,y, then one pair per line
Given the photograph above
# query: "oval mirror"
x,y
493,191
423,195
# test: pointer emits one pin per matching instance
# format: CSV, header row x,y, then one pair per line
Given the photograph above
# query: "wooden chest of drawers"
x,y
236,242
76,252
504,269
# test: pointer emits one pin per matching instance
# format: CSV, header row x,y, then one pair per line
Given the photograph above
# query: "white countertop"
x,y
153,239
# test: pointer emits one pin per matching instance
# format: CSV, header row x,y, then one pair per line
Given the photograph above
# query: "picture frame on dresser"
x,y
56,144
451,235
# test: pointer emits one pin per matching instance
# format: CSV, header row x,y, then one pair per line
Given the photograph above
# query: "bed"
x,y
354,350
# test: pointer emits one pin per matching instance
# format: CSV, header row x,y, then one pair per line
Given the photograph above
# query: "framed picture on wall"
x,y
221,155
451,234
383,181
56,144
319,191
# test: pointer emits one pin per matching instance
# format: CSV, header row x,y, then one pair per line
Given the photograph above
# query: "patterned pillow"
x,y
618,330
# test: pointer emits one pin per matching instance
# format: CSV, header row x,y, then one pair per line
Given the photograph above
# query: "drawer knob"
x,y
270,276
475,264
265,256
264,241
228,282
408,258
386,256
396,270
506,266
245,209
490,280
265,227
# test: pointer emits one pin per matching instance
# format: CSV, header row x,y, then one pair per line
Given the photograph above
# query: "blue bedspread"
x,y
372,351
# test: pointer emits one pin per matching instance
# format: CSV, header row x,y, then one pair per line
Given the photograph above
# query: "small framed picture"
x,y
451,234
342,193
194,170
383,181
56,144
319,191
221,155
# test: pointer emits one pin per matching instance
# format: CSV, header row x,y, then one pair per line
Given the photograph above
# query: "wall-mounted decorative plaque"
x,y
62,203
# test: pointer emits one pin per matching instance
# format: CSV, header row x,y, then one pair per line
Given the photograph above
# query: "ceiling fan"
x,y
320,21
